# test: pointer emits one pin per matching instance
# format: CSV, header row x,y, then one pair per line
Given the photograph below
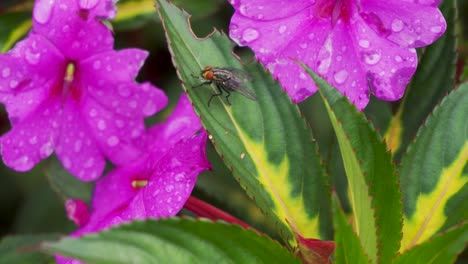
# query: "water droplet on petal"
x,y
169,188
113,141
397,25
32,58
250,34
92,112
97,64
6,72
436,29
43,10
282,29
33,140
341,76
65,28
179,177
371,57
89,163
101,124
13,83
88,4
364,43
77,146
66,162
149,108
22,163
45,150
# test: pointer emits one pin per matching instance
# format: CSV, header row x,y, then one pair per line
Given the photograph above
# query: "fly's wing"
x,y
237,82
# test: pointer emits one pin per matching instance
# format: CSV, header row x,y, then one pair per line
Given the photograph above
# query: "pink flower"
x,y
156,185
99,8
66,89
358,46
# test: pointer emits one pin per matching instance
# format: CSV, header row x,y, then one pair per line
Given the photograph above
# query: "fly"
x,y
227,79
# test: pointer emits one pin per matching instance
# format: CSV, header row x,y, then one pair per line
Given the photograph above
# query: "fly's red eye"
x,y
208,75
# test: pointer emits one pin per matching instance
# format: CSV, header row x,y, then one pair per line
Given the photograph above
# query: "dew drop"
x,y
88,4
45,150
92,112
341,76
371,58
6,72
123,90
32,58
77,146
97,64
398,58
66,162
113,141
282,29
65,28
250,34
89,163
43,10
436,29
169,188
13,83
303,45
179,177
397,25
364,43
101,124
133,104
149,108
22,163
33,140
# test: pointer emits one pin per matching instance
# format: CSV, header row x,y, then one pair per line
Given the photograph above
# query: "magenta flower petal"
x,y
130,99
77,211
113,133
172,181
258,9
182,123
398,22
99,8
76,146
31,140
360,47
113,66
75,34
156,184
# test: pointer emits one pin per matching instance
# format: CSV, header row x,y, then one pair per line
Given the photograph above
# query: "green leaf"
x,y
442,248
65,184
133,14
18,249
434,172
177,240
13,26
265,142
373,188
432,81
348,247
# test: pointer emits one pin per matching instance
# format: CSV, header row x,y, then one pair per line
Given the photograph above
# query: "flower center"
x,y
66,85
138,184
337,9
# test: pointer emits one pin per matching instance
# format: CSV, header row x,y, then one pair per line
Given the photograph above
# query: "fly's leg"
x,y
215,94
203,83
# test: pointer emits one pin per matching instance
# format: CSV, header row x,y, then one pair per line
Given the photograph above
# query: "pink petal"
x,y
269,9
76,148
171,182
32,139
113,66
407,24
129,99
114,191
388,68
99,8
113,133
76,35
182,123
77,211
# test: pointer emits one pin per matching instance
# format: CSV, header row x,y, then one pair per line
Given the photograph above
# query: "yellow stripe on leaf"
x,y
429,215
